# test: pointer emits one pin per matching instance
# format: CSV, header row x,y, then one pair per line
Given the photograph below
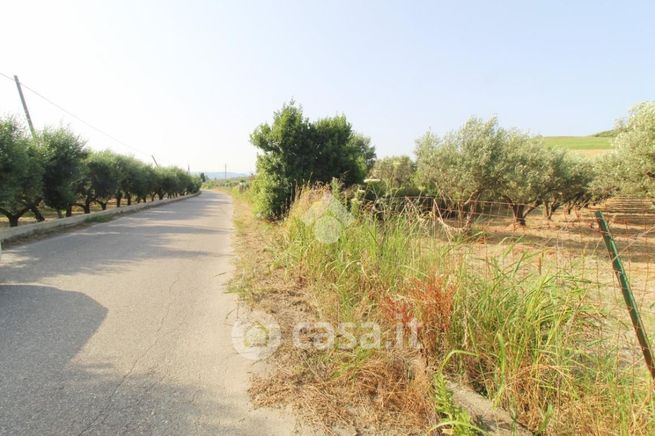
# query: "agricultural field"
x,y
588,146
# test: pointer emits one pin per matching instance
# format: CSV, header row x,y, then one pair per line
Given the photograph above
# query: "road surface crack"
x,y
110,398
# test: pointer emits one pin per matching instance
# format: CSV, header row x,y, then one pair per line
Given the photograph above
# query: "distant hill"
x,y
606,134
221,175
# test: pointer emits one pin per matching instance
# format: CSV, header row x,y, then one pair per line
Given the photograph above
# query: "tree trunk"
x,y
87,206
13,217
129,199
160,195
103,205
552,209
118,200
519,214
37,213
69,210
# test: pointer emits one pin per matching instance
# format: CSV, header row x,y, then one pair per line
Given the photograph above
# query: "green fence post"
x,y
627,293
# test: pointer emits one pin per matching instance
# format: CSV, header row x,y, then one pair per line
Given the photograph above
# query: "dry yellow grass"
x,y
391,389
388,392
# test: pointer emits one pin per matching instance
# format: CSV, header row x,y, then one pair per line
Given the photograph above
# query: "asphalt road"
x,y
124,328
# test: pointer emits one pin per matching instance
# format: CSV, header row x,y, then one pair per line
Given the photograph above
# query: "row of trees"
x,y
56,170
482,161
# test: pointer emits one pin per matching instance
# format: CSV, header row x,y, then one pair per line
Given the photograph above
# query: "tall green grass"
x,y
528,334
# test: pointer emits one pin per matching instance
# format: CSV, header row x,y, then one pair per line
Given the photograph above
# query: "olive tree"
x,y
171,182
610,177
570,185
635,144
132,179
463,166
104,176
396,173
531,174
21,172
64,155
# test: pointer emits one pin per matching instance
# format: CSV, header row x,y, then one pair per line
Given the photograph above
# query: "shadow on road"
x,y
43,390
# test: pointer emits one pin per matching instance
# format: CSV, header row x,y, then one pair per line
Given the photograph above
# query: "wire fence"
x,y
568,241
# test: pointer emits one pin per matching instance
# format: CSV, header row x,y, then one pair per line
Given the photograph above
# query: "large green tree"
x,y
296,151
635,145
21,172
64,155
133,179
463,166
99,180
570,184
530,174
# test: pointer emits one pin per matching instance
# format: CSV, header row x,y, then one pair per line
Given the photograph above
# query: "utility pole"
x,y
22,99
154,160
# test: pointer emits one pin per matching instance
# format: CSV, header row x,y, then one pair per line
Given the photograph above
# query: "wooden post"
x,y
27,112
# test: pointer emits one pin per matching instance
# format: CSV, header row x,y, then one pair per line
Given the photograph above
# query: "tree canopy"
x,y
296,151
21,171
56,169
482,161
635,145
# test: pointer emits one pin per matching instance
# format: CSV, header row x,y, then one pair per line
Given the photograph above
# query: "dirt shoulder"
x,y
327,389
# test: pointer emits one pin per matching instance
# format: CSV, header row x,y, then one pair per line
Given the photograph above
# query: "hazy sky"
x,y
188,81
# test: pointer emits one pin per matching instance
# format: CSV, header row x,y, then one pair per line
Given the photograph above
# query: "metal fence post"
x,y
627,293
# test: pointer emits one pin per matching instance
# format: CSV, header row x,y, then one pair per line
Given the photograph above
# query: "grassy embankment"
x,y
519,326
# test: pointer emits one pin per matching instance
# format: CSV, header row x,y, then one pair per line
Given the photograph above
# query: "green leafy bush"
x,y
297,151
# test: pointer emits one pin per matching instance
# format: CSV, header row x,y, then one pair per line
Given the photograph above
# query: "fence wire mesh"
x,y
569,241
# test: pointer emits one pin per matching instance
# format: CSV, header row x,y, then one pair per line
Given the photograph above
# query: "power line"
x,y
4,75
47,100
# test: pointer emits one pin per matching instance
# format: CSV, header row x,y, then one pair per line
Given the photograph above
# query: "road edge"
x,y
14,234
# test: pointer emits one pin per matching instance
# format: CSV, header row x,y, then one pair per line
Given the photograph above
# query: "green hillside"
x,y
579,142
589,146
